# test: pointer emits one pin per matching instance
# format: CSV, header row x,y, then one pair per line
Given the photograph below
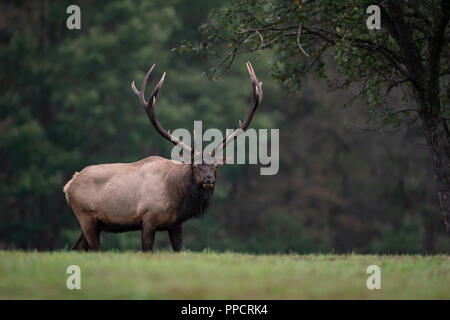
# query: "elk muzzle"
x,y
208,182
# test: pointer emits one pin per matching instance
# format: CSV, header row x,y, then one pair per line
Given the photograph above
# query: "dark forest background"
x,y
66,103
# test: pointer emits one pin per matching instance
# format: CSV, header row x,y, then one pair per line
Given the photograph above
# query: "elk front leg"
x,y
176,237
148,236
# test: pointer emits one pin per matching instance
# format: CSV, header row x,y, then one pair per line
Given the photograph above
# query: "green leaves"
x,y
369,61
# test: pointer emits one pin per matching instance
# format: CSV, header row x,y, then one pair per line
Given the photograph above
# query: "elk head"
x,y
204,174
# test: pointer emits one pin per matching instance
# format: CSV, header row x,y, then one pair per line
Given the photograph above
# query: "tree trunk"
x,y
438,141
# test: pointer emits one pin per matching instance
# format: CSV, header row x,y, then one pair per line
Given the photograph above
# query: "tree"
x,y
410,52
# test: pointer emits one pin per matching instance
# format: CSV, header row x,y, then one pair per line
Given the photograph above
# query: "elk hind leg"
x,y
91,232
81,243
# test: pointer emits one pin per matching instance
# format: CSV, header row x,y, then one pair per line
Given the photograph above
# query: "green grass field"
x,y
209,275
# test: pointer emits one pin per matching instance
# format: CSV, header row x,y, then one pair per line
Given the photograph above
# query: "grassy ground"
x,y
208,275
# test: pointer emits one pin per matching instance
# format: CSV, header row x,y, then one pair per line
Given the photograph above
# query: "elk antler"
x,y
149,108
257,98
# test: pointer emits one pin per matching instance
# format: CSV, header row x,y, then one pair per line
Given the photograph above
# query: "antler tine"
x,y
144,82
159,85
149,108
256,84
138,93
141,94
257,98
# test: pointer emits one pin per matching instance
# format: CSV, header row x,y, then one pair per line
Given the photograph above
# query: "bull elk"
x,y
153,194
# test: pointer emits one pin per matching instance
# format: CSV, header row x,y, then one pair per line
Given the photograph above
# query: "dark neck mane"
x,y
194,200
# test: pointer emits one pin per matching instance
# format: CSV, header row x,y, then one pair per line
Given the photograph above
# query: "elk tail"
x,y
67,186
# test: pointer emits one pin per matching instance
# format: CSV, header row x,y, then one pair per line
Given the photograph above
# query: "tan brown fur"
x,y
67,185
119,197
141,190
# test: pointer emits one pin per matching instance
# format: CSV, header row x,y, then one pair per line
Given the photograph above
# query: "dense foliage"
x,y
306,34
407,56
66,103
